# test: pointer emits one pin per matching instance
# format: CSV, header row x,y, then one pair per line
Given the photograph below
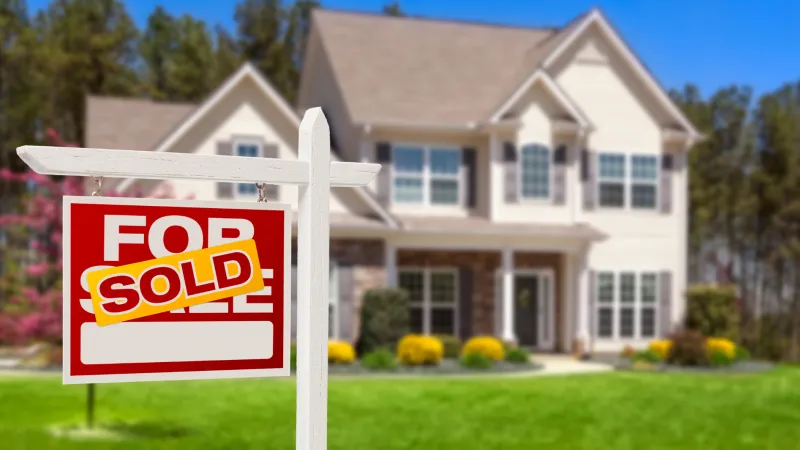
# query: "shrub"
x,y
721,345
688,349
340,352
487,346
627,352
712,310
380,359
476,361
742,354
719,358
293,356
517,355
452,345
660,347
648,356
415,349
384,319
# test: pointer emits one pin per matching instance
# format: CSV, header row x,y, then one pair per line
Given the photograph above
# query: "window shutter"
x,y
592,316
665,183
225,189
346,306
560,175
665,303
470,173
270,151
588,177
510,169
383,154
464,303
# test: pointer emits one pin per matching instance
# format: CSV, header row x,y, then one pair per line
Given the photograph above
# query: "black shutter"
x,y
346,303
468,160
665,183
271,190
560,175
225,189
510,170
383,155
464,303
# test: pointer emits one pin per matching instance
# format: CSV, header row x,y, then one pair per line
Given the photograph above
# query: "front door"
x,y
526,310
534,312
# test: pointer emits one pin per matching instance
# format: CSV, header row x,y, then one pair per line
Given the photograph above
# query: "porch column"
x,y
581,269
508,295
390,265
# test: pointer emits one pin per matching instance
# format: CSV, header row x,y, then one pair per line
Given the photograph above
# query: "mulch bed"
x,y
446,367
738,367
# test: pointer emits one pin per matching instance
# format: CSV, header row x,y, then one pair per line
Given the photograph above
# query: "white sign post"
x,y
313,172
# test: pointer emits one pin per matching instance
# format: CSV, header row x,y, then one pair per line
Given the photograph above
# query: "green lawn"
x,y
605,411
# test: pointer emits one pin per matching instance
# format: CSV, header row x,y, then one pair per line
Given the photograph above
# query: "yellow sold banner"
x,y
163,284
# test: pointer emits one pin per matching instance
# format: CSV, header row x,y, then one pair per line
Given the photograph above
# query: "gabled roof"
x,y
420,71
182,125
127,123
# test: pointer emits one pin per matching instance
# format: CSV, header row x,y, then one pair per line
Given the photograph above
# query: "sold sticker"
x,y
164,284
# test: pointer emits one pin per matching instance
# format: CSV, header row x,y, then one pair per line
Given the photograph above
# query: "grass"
x,y
603,411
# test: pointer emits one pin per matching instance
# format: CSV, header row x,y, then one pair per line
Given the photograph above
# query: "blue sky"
x,y
712,43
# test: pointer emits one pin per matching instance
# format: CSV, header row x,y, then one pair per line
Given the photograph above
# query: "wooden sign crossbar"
x,y
313,172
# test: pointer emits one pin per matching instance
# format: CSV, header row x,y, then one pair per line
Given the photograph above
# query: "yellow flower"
x,y
415,349
721,345
487,346
340,352
661,348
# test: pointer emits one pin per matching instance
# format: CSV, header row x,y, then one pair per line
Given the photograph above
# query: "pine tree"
x,y
156,48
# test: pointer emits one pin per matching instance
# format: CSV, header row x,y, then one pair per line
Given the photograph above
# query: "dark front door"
x,y
526,289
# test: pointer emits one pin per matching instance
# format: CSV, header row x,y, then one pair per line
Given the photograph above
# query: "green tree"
x,y
393,9
90,47
260,25
190,72
226,56
157,48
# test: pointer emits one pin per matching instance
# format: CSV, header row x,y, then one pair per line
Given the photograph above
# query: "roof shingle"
x,y
131,124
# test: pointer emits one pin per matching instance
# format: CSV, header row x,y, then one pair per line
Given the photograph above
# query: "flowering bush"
x,y
415,349
340,352
487,346
661,348
627,352
721,345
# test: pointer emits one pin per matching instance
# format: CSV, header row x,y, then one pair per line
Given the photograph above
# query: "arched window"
x,y
535,172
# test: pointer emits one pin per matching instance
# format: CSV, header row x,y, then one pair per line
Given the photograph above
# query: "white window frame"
x,y
427,305
616,305
427,176
259,154
520,174
627,182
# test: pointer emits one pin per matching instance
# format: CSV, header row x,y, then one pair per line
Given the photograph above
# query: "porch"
x,y
524,296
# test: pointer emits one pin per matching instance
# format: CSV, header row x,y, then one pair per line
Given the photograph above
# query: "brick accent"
x,y
366,257
484,266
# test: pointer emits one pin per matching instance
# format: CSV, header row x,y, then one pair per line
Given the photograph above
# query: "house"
x,y
534,181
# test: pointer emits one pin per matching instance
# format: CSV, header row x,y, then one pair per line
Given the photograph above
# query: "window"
x,y
426,175
614,181
611,180
644,181
433,297
535,172
251,149
630,311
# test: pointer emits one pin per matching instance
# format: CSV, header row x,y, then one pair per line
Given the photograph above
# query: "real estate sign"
x,y
175,290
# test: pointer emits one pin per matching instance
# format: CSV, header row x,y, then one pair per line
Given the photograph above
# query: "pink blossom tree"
x,y
32,311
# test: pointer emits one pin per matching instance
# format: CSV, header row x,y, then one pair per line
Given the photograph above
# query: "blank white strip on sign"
x,y
144,342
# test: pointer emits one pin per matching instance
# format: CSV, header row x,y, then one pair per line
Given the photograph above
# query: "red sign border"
x,y
173,376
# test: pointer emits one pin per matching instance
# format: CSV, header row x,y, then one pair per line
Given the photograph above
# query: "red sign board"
x,y
243,336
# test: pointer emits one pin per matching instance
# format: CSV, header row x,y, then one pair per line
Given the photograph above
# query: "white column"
x,y
313,249
390,264
582,272
508,295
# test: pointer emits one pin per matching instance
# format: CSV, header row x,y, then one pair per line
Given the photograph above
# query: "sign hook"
x,y
261,196
98,181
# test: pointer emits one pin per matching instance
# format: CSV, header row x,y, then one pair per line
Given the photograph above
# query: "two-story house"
x,y
533,184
